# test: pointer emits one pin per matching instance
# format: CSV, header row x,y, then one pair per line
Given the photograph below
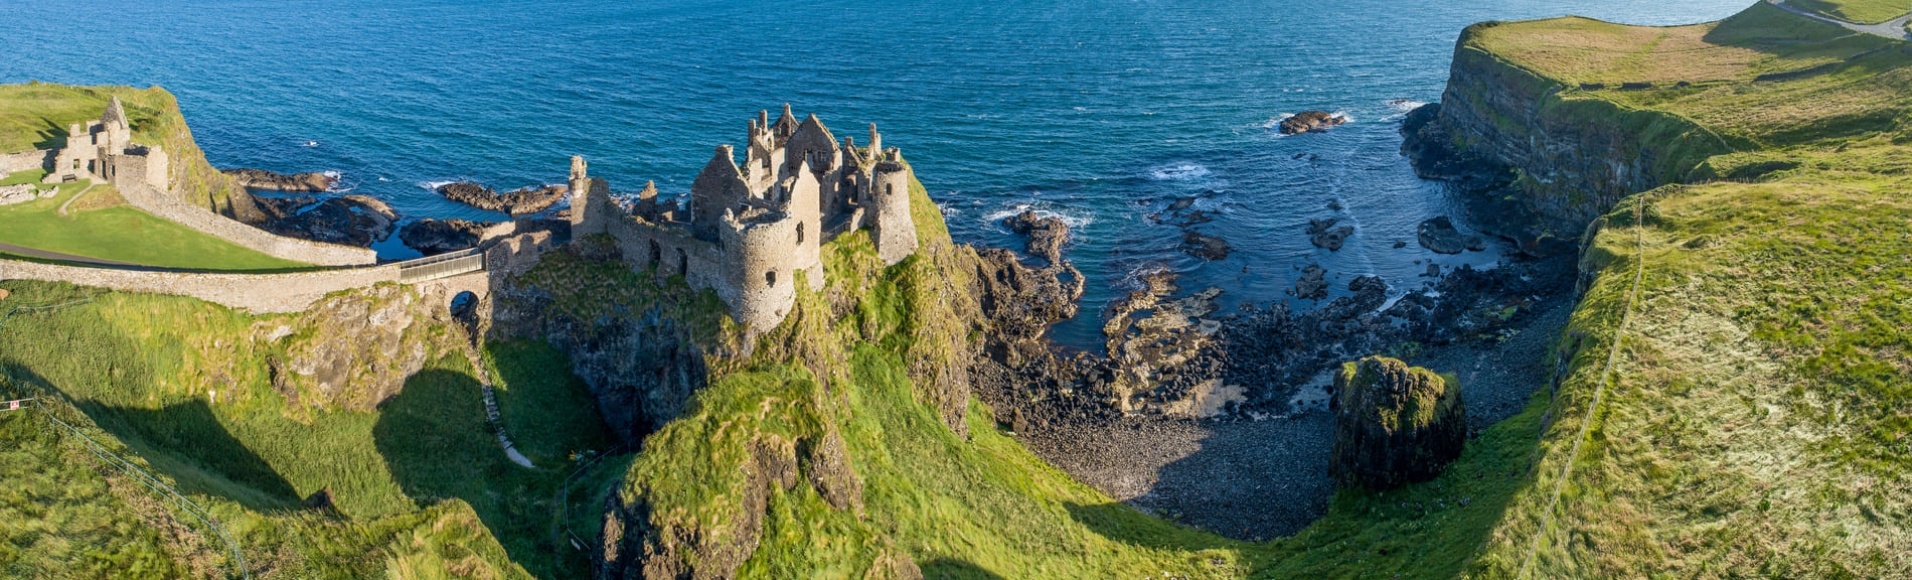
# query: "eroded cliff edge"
x,y
1538,158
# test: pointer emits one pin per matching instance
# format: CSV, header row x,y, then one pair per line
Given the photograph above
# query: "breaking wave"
x,y
1180,172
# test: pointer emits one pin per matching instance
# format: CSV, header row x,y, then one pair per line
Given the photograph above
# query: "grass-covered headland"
x,y
1734,395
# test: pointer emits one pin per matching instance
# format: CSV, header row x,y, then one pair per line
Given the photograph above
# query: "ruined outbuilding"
x,y
103,151
745,231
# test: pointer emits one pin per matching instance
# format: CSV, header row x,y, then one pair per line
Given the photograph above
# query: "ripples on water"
x,y
1098,111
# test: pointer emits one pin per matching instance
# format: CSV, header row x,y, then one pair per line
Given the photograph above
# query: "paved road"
x,y
46,255
1893,29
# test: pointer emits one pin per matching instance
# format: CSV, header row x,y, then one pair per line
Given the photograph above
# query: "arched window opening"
x,y
770,278
799,232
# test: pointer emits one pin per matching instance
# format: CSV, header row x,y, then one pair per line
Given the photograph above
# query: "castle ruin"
x,y
746,231
104,151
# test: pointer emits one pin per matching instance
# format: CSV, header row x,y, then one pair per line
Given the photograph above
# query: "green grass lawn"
x,y
36,115
418,483
1861,11
119,233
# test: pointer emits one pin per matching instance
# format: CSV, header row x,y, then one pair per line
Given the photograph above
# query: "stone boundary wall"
x,y
168,208
260,293
25,161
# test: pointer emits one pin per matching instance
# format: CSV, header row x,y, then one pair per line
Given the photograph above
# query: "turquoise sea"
x,y
1102,111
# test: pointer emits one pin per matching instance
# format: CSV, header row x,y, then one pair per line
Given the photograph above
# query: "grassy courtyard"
x,y
101,226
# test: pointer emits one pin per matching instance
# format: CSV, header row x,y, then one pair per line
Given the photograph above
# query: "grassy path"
x,y
1600,391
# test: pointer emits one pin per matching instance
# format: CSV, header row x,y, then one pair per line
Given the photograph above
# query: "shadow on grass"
x,y
438,445
946,568
184,441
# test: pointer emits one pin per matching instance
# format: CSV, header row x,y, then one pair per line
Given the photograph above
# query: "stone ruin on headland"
x,y
746,231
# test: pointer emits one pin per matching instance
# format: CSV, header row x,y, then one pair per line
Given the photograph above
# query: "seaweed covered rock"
x,y
1310,122
1394,424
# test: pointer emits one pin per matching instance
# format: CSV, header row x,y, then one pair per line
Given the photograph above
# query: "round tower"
x,y
759,285
891,226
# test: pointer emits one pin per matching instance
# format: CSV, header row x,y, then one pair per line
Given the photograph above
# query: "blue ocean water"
x,y
1101,111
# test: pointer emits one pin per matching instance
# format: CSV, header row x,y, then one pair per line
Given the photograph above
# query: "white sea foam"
x,y
310,144
1183,171
434,185
1073,220
1404,105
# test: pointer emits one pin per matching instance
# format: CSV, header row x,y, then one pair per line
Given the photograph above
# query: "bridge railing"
x,y
441,266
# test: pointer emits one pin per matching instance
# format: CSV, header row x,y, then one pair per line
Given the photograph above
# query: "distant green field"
x,y
1861,11
118,232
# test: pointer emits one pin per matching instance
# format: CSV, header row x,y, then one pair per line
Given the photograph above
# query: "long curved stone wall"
x,y
172,209
285,292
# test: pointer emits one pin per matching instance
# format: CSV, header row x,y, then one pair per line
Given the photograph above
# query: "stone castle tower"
x,y
747,231
104,151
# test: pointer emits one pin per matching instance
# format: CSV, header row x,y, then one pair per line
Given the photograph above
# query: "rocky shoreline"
x,y
1220,419
523,201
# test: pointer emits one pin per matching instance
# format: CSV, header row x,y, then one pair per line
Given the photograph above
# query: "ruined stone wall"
x,y
149,199
26,161
670,248
287,292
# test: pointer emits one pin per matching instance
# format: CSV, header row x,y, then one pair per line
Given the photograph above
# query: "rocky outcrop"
x,y
1313,283
642,372
353,220
1045,234
354,350
1438,234
1310,122
1394,424
435,236
1540,159
310,182
523,201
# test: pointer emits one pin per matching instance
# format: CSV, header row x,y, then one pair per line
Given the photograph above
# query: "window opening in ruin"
x,y
770,278
683,263
799,232
657,254
889,189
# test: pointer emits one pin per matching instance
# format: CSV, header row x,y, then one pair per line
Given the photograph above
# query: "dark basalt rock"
x,y
433,236
1394,424
1045,234
1310,122
1323,234
353,220
516,202
1205,246
1313,284
295,183
1438,234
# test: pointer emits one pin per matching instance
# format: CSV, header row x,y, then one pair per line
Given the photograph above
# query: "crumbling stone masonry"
x,y
746,231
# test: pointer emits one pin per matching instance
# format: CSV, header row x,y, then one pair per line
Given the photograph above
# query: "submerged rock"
x,y
1205,246
1394,424
309,182
1323,234
1310,122
516,202
1438,234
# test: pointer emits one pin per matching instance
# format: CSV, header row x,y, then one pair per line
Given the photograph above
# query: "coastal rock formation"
x,y
1323,234
356,349
1394,424
528,200
1496,119
642,372
353,220
1310,122
310,182
1045,234
435,236
1438,234
1313,284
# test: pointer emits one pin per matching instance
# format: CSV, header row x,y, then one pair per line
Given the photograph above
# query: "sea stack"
x,y
1394,424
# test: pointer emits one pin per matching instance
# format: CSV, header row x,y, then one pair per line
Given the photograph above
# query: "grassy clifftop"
x,y
36,116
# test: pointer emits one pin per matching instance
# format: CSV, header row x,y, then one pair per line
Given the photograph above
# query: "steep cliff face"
x,y
1543,158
